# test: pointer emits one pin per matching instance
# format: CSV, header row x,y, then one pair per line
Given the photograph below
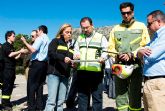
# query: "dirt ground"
x,y
18,97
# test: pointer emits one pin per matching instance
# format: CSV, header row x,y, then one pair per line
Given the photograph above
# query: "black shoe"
x,y
24,109
7,108
89,108
71,109
1,86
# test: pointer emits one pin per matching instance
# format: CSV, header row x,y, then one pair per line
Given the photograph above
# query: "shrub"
x,y
19,70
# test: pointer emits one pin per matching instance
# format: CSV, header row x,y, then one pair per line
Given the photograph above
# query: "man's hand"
x,y
124,57
76,57
101,60
23,39
67,60
74,64
24,51
144,52
18,56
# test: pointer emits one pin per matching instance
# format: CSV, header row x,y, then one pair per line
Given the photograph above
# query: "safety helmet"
x,y
122,71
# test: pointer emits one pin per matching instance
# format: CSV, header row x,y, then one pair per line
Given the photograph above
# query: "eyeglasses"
x,y
88,27
128,13
150,23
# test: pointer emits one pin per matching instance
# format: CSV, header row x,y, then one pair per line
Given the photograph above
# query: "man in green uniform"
x,y
126,38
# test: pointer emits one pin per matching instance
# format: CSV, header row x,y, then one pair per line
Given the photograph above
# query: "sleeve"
x,y
145,40
7,50
37,43
76,49
104,45
52,51
158,51
111,43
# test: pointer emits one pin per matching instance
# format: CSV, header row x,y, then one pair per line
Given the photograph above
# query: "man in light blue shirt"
x,y
38,69
153,56
40,48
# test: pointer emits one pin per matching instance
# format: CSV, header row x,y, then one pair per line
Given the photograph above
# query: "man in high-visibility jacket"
x,y
126,38
90,45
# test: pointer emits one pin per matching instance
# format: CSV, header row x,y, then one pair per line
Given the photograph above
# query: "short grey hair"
x,y
158,15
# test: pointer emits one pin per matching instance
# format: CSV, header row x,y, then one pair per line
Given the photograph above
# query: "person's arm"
x,y
52,51
25,51
29,47
145,40
76,54
111,43
158,51
16,53
104,45
18,56
143,52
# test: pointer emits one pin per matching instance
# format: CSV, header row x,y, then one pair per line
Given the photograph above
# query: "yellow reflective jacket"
x,y
129,39
90,52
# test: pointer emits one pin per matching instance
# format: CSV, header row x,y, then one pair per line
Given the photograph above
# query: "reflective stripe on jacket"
x,y
129,39
92,51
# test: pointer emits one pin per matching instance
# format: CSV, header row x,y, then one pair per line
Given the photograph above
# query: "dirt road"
x,y
18,97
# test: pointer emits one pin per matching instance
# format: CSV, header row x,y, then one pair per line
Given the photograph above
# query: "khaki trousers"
x,y
154,95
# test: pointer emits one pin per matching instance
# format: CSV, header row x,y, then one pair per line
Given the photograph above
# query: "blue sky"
x,y
23,16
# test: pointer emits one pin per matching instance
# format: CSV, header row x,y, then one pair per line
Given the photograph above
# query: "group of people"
x,y
131,45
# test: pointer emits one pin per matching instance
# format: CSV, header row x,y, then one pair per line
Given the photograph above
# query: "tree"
x,y
18,44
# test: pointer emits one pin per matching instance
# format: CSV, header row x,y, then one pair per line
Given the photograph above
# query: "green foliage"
x,y
19,70
18,44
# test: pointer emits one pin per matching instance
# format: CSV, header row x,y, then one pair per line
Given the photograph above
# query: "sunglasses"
x,y
150,23
128,13
32,36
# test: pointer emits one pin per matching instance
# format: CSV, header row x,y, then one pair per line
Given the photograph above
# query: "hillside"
x,y
103,30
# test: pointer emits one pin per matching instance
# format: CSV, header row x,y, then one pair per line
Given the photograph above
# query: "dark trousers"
x,y
70,102
8,83
109,83
90,83
1,73
72,94
36,78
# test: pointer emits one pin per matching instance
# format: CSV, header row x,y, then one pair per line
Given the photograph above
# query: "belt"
x,y
153,77
38,61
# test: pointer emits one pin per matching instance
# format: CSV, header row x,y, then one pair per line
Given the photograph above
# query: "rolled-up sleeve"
x,y
37,44
158,52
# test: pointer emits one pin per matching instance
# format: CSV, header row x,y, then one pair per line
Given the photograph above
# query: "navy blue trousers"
x,y
90,83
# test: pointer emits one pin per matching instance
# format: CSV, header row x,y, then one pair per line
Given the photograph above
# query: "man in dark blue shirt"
x,y
1,65
9,56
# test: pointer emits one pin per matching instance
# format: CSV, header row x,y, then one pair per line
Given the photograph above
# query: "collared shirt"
x,y
41,46
104,45
154,65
